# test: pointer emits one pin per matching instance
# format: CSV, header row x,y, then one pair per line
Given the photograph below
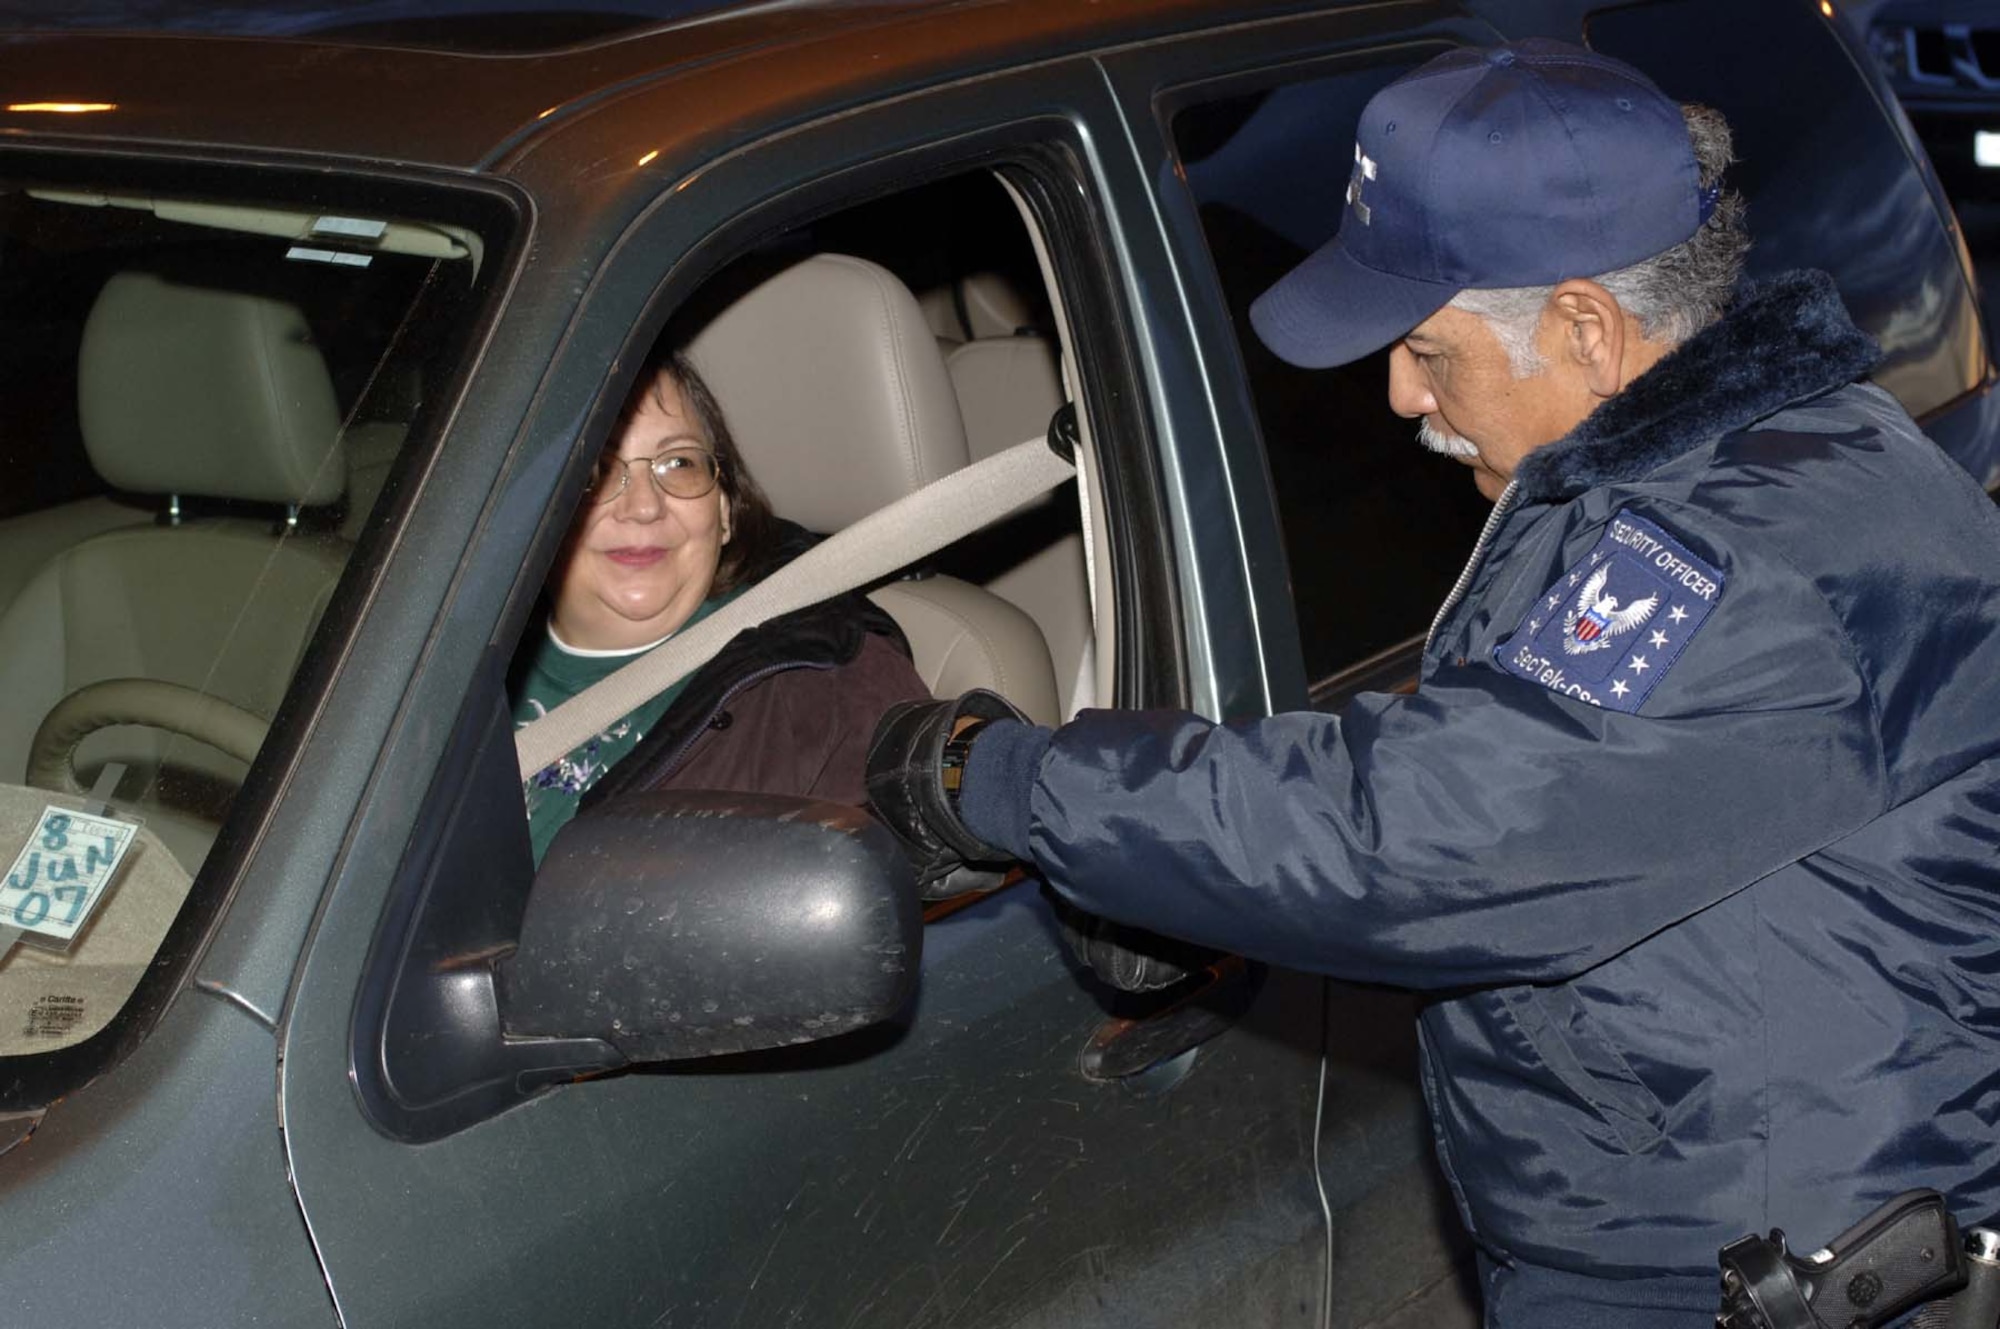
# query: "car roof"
x,y
348,92
492,26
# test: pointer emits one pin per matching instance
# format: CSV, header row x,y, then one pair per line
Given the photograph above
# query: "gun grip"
x,y
1905,1252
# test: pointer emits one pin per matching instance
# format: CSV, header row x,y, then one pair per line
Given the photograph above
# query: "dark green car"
x,y
309,344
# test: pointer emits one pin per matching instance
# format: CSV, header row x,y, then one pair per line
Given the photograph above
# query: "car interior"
x,y
229,432
834,352
208,404
854,372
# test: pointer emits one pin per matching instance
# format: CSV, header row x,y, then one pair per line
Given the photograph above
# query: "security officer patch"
x,y
1611,627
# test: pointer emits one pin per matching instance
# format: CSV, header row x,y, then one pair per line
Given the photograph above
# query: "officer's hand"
x,y
906,788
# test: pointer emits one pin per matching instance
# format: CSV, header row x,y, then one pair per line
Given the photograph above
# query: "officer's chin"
x,y
1490,483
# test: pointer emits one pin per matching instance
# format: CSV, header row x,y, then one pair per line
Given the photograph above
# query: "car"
x,y
1942,64
1942,60
310,345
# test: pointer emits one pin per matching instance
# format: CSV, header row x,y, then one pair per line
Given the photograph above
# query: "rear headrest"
x,y
1008,388
197,391
834,389
975,306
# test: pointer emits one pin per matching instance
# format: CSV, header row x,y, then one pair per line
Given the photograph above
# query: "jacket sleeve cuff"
x,y
999,778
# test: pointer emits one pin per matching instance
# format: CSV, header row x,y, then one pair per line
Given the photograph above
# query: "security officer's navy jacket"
x,y
1711,908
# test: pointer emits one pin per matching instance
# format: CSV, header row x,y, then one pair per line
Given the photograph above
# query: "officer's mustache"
x,y
1451,445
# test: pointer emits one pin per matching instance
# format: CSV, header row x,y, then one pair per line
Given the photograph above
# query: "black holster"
x,y
1907,1253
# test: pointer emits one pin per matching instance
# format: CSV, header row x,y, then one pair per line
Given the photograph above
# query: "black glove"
x,y
1126,958
906,789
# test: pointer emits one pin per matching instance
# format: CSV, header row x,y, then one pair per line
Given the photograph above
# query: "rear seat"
x,y
1008,388
975,307
1008,380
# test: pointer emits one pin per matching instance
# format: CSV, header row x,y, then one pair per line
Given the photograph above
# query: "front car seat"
x,y
186,392
841,404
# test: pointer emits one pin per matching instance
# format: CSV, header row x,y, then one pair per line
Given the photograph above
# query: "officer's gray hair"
x,y
1674,294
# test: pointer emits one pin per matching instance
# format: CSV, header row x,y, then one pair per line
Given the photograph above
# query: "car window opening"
x,y
1375,528
828,419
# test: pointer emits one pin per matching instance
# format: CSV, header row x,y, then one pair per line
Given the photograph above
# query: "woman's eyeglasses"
x,y
677,473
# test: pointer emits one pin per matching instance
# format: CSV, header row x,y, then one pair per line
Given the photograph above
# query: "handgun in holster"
x,y
1906,1254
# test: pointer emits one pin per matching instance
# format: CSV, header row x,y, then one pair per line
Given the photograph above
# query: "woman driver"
x,y
673,527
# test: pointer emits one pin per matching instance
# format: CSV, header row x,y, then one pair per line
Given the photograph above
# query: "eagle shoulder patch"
x,y
1609,629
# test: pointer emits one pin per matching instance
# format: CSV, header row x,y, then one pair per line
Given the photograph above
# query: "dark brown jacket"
x,y
788,707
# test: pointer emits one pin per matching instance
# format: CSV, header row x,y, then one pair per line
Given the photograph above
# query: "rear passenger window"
x,y
1375,528
205,398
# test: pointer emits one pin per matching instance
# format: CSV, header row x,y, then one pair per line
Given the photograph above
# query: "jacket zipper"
x,y
1464,582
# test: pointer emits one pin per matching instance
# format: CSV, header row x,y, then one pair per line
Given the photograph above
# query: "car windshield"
x,y
206,396
470,26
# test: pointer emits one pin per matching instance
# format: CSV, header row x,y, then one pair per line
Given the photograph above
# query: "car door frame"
x,y
1369,1059
367,1196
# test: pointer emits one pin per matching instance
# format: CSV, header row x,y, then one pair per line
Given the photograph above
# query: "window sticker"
x,y
55,1016
1610,628
63,871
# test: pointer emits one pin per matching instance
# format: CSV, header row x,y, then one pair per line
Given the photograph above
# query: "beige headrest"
x,y
196,391
975,306
835,390
1008,388
995,306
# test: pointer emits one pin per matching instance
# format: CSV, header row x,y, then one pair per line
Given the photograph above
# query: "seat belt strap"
x,y
913,527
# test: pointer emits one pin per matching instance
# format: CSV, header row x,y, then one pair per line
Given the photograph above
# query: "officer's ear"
x,y
1593,332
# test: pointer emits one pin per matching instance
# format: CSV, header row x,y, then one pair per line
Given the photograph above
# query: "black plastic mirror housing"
x,y
690,924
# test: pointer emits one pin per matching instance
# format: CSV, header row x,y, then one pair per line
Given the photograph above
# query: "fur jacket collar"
x,y
1784,340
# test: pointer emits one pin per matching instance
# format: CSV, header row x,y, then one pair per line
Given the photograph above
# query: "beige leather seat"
x,y
1008,380
1008,388
841,403
184,391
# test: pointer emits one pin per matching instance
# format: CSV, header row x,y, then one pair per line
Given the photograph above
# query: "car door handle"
x,y
1124,1047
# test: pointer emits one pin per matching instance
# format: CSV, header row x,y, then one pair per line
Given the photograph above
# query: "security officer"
x,y
1691,826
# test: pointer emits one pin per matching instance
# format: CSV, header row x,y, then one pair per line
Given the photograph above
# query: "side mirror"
x,y
676,925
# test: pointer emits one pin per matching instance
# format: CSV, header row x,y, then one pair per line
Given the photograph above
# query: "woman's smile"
x,y
636,556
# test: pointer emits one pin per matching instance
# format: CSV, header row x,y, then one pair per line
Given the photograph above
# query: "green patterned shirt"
x,y
555,674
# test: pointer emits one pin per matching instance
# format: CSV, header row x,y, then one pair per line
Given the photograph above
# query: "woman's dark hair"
x,y
754,531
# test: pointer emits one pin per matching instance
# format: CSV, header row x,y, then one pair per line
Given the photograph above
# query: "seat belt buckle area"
x,y
1906,1253
1064,432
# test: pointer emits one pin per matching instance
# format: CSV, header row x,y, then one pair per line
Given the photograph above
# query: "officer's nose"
x,y
1409,395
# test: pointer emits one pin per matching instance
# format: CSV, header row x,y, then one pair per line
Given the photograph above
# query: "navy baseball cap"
x,y
1520,165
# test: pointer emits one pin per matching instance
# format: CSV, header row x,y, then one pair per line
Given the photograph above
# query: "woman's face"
x,y
639,565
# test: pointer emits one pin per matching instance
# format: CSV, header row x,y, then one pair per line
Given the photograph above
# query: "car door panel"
x,y
163,1186
954,1167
